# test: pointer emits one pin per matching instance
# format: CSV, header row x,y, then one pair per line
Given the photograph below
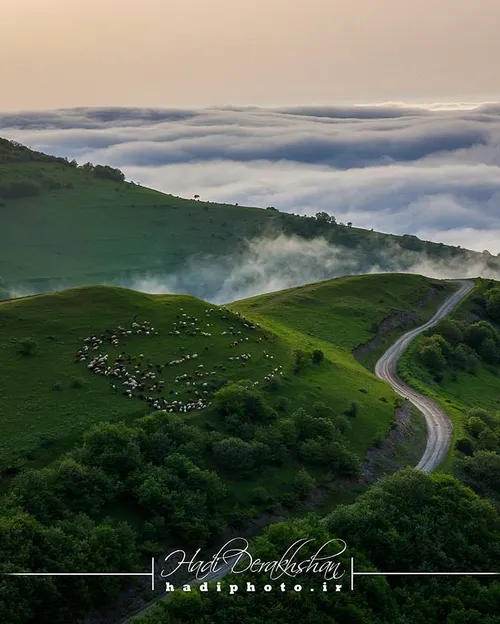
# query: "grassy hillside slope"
x,y
82,228
48,398
62,225
347,311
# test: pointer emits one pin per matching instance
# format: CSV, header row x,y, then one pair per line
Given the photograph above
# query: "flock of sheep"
x,y
137,376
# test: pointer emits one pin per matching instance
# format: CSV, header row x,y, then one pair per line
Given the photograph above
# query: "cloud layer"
x,y
270,264
433,171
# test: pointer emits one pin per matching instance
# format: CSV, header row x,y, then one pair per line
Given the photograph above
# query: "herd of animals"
x,y
137,376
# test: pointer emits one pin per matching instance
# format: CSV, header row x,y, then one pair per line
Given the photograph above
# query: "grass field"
x,y
344,312
42,414
98,229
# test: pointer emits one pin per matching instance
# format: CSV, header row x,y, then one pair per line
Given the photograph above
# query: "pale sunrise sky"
x,y
63,53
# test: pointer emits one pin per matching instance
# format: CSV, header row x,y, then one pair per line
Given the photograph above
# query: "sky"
x,y
203,53
384,113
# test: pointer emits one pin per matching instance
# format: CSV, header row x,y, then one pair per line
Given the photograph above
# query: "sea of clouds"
x,y
430,171
433,172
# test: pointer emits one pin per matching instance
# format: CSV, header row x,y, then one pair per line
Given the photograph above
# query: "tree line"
x,y
175,476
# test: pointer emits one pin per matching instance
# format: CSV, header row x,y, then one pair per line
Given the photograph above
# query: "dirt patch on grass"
x,y
402,447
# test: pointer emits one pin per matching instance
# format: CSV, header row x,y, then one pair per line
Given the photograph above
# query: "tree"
x,y
18,189
234,454
303,483
274,441
309,426
114,447
476,333
238,405
493,304
317,356
475,426
466,358
108,173
324,217
465,446
489,351
484,469
451,331
353,410
432,357
301,360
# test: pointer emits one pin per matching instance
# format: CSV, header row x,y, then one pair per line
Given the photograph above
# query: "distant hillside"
x,y
65,225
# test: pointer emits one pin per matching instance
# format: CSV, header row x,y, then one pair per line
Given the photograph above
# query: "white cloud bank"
x,y
433,172
272,264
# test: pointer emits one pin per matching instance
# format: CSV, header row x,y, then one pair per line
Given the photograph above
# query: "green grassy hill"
x,y
94,479
49,398
347,311
64,225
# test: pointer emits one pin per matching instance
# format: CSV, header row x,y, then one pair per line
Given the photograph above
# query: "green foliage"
x,y
483,468
451,330
465,446
492,299
283,404
108,173
112,446
475,426
28,346
404,523
238,406
325,218
457,345
317,356
234,454
301,360
466,358
303,483
411,499
260,495
19,189
431,355
184,495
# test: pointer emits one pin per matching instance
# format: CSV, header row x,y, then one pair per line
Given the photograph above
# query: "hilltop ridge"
x,y
84,224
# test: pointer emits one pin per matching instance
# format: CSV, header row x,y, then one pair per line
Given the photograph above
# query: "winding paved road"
x,y
439,427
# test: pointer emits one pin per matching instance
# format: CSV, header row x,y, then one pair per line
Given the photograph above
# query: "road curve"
x,y
439,426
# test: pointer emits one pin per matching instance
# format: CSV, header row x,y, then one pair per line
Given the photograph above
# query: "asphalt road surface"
x,y
439,427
